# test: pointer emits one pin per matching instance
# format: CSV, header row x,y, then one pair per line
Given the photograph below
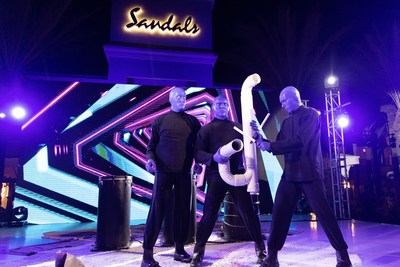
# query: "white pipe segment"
x,y
250,177
231,148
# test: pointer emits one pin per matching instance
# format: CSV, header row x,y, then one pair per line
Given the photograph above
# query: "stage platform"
x,y
370,244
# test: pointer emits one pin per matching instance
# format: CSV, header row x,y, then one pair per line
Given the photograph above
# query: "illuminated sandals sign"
x,y
170,25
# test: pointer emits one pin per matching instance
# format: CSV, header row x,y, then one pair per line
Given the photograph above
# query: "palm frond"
x,y
395,95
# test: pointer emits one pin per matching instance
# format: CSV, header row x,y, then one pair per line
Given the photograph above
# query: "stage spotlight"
x,y
18,112
2,115
331,81
343,120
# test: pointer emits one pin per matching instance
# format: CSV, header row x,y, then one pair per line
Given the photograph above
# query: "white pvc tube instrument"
x,y
250,177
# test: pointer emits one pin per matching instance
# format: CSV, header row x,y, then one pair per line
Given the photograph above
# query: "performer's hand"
x,y
253,125
264,145
151,166
197,169
218,158
256,132
258,137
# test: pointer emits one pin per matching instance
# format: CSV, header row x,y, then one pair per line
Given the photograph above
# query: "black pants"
x,y
162,190
286,198
216,192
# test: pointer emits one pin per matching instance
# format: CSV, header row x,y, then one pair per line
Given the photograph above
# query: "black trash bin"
x,y
113,214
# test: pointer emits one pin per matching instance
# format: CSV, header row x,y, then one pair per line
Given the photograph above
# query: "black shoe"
x,y
149,263
261,256
148,260
182,257
271,260
343,259
270,263
198,255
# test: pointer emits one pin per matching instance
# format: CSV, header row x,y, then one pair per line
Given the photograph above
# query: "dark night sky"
x,y
287,42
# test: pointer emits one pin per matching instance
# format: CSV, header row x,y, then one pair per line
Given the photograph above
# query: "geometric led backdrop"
x,y
91,130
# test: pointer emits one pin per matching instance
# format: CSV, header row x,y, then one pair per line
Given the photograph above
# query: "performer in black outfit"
x,y
170,156
299,141
210,138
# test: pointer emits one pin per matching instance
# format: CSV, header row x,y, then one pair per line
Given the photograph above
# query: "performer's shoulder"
x,y
314,111
193,118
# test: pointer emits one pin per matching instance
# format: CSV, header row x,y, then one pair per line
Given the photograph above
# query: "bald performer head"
x,y
177,98
220,107
290,99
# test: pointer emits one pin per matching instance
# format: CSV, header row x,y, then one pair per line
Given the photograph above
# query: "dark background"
x,y
287,42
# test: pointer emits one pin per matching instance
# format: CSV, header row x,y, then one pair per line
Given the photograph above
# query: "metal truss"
x,y
337,155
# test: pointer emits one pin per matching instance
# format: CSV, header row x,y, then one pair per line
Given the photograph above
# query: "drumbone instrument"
x,y
250,177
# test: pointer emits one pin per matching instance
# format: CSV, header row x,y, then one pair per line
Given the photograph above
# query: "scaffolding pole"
x,y
337,156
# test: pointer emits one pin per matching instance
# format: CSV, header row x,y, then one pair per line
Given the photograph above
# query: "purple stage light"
x,y
331,81
343,120
18,112
2,115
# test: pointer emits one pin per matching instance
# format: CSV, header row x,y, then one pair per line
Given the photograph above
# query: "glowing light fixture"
x,y
18,112
52,103
331,81
343,120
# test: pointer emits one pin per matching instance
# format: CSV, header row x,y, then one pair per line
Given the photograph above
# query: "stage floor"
x,y
370,244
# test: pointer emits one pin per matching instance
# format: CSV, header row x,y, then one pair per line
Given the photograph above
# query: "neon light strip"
x,y
135,153
232,110
193,101
137,138
202,115
52,103
202,98
93,171
146,132
78,145
142,190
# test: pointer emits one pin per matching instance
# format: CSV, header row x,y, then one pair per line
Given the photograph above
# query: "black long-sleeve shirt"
x,y
171,146
211,137
299,141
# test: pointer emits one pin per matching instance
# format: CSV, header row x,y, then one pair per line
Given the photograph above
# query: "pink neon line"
x,y
148,118
85,167
52,103
146,132
139,139
147,192
199,112
79,144
92,170
139,156
120,119
232,111
202,97
194,100
200,195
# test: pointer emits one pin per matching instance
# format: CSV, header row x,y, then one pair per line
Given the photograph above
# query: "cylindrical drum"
x,y
233,226
113,214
